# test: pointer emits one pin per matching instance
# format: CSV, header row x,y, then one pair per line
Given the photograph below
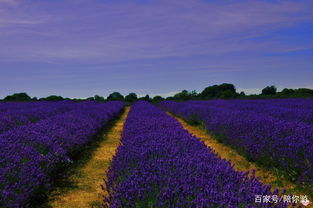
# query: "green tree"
x,y
131,97
18,97
193,94
98,98
147,98
170,98
157,98
183,95
186,95
287,92
224,90
90,98
227,94
269,90
115,96
304,92
52,98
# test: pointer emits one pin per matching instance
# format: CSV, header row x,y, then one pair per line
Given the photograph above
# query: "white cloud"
x,y
10,2
250,91
89,31
164,94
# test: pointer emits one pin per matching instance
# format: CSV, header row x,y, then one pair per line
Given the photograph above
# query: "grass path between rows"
x,y
87,179
239,162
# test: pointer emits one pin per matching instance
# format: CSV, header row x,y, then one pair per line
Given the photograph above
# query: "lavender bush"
x,y
276,136
294,110
159,164
30,154
14,114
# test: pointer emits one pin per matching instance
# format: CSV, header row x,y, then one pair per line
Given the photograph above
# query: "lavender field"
x,y
157,162
156,103
37,138
277,134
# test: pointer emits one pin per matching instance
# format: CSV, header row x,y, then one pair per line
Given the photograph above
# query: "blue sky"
x,y
79,48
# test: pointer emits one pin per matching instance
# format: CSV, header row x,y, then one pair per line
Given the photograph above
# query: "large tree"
x,y
131,97
98,98
18,97
269,90
224,90
115,96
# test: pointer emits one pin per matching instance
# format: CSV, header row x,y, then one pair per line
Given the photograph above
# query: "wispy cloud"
x,y
155,46
10,2
158,29
250,91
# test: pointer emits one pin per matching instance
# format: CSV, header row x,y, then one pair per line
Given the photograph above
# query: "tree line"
x,y
222,91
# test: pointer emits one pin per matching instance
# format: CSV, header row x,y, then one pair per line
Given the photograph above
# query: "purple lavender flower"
x,y
159,164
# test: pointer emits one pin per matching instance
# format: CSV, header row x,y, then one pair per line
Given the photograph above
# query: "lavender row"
x,y
269,141
159,164
31,154
7,106
288,111
285,103
26,113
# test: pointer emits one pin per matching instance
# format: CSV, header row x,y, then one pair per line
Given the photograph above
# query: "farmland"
x,y
153,158
32,151
272,134
156,104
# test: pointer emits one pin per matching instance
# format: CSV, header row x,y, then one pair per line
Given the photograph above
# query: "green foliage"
x,y
296,93
185,95
18,97
227,94
131,97
115,96
99,98
157,98
147,98
90,98
269,90
170,98
304,92
78,99
53,98
224,90
287,91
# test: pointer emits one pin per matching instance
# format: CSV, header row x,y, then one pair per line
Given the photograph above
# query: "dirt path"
x,y
87,180
239,162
